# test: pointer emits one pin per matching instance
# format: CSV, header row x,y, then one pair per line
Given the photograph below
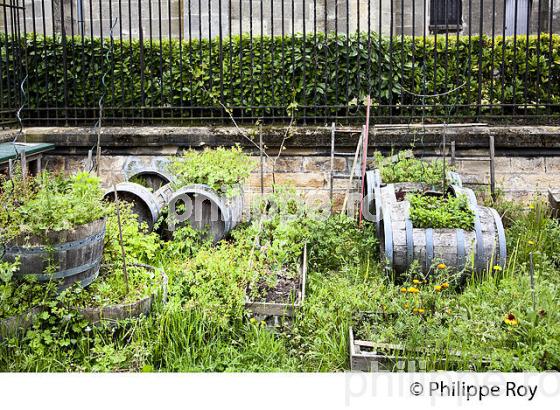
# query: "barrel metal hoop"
x,y
377,194
409,241
66,273
460,234
502,255
479,255
66,246
388,241
429,247
89,280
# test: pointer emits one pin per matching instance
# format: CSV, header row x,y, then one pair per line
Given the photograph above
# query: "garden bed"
x,y
285,298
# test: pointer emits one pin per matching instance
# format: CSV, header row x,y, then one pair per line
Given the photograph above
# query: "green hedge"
x,y
333,71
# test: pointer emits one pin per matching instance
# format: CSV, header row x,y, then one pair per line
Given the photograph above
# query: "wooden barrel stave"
x,y
147,205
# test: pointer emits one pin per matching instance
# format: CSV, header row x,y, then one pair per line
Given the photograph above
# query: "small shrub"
x,y
404,167
222,169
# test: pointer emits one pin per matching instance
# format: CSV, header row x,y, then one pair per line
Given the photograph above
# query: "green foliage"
x,y
222,169
140,246
537,233
35,206
183,74
440,212
110,289
403,167
338,243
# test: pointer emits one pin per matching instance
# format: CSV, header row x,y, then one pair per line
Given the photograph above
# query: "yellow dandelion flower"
x,y
413,290
441,266
416,281
437,288
531,242
444,285
403,290
511,320
532,206
497,268
421,310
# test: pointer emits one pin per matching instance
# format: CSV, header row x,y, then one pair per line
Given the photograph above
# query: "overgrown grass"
x,y
204,326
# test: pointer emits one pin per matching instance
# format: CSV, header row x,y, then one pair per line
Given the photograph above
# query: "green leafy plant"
x,y
440,212
222,169
140,246
48,202
404,167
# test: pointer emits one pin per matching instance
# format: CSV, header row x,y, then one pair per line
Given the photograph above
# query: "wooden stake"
x,y
364,156
331,173
262,159
492,168
123,253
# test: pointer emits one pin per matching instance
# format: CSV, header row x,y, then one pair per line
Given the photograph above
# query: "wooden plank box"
x,y
277,311
367,356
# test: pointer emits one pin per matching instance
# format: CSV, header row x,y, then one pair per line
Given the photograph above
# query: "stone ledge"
x,y
525,140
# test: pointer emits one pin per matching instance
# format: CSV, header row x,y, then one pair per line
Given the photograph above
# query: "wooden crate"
x,y
367,356
271,311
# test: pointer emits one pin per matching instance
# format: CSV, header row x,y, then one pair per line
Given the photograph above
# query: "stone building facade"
x,y
155,19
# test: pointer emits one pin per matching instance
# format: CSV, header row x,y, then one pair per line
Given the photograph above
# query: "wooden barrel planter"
x,y
373,211
402,243
147,205
150,178
75,254
141,307
12,325
205,210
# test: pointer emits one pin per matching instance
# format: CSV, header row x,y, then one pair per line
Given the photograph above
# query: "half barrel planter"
x,y
136,309
401,243
206,210
73,256
95,315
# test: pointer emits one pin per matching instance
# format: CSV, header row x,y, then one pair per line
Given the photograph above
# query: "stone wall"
x,y
520,178
527,158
